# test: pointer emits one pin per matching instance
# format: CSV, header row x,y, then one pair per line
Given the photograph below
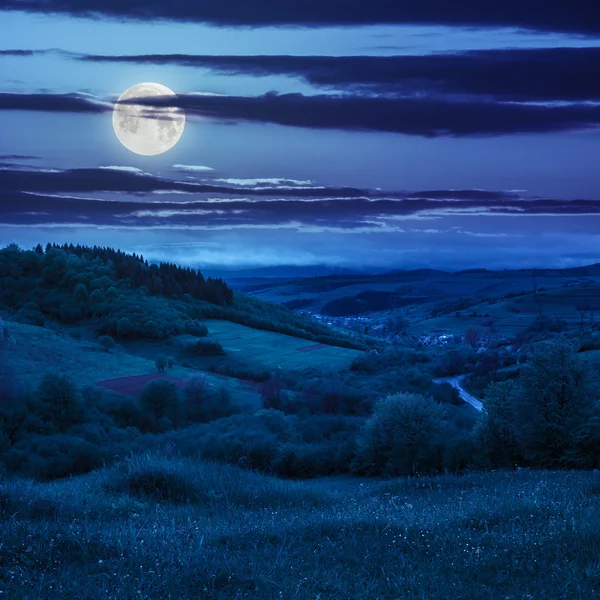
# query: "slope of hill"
x,y
121,295
35,351
158,527
446,302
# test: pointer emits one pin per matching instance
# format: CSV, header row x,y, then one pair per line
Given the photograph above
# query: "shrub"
x,y
161,363
52,456
206,348
58,402
158,485
557,412
161,399
70,313
331,396
403,437
301,461
125,328
444,393
197,329
454,362
272,393
397,324
170,362
80,293
495,431
30,314
97,297
107,342
125,412
112,293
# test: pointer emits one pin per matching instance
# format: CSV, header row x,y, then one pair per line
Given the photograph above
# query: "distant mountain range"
x,y
427,296
287,272
291,272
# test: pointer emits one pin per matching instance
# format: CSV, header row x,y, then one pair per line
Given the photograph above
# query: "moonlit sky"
x,y
424,140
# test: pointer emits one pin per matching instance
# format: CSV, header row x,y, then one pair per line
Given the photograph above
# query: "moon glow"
x,y
144,129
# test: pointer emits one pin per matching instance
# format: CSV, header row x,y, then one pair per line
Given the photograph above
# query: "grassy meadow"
x,y
272,350
36,351
162,527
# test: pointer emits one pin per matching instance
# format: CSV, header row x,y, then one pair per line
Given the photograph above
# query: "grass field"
x,y
271,350
37,351
555,303
217,532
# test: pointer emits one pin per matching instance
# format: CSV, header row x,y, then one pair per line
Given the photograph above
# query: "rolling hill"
x,y
445,302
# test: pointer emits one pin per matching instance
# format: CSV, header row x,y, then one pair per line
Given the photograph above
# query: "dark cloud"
x,y
116,180
580,16
20,208
522,75
463,195
430,117
49,102
134,206
119,179
20,52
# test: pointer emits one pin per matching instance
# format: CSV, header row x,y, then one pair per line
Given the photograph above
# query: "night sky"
x,y
353,134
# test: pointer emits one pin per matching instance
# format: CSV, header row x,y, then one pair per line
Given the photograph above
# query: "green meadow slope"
x,y
158,527
273,350
35,351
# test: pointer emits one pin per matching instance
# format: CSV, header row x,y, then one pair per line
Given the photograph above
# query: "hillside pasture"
x,y
510,315
271,350
36,351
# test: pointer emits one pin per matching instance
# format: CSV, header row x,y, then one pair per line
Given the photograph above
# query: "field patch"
x,y
132,386
312,348
272,350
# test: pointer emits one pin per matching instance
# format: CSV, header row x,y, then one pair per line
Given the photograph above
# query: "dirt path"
x,y
455,382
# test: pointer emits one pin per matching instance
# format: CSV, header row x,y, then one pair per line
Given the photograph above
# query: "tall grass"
x,y
228,534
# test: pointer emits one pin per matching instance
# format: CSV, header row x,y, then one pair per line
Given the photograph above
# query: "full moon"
x,y
145,129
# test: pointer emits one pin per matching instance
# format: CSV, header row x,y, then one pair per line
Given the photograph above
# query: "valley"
x,y
143,404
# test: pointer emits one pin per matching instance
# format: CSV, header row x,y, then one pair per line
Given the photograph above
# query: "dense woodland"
x,y
123,296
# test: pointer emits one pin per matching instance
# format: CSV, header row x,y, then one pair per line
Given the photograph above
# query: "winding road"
x,y
455,383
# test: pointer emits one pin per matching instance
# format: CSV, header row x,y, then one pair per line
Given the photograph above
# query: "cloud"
x,y
271,181
193,168
131,180
125,169
44,199
567,74
580,16
50,102
21,52
429,116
